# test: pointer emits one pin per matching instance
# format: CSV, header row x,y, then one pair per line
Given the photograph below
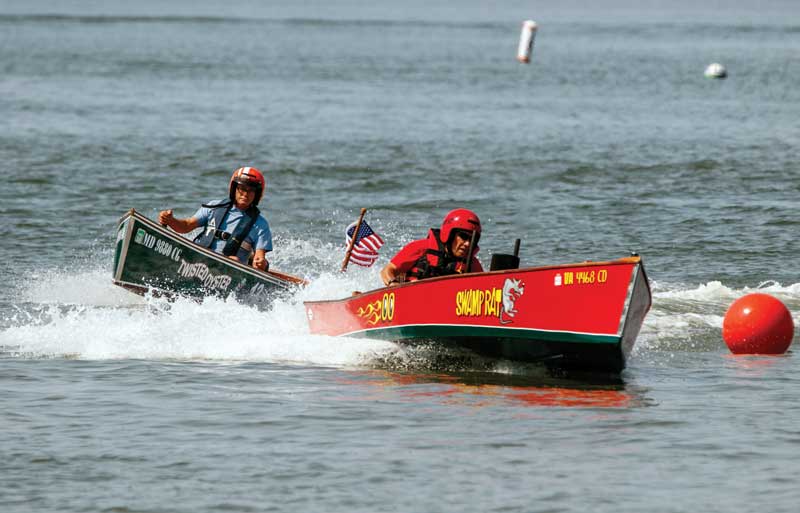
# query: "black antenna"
x,y
471,250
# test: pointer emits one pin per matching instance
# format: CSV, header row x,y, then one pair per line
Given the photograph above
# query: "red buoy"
x,y
758,324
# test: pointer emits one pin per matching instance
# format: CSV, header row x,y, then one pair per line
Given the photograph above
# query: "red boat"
x,y
583,316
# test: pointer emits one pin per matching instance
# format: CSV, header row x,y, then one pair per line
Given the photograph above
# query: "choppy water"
x,y
610,141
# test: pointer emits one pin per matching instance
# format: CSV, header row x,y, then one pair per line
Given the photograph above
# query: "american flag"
x,y
365,250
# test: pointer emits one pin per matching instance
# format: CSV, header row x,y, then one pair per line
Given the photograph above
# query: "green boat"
x,y
150,258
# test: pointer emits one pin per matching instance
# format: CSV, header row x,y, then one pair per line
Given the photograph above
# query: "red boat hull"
x,y
578,316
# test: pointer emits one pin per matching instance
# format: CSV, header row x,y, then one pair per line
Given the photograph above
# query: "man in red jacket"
x,y
444,252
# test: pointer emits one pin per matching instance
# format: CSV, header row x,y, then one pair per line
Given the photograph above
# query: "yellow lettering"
x,y
568,278
494,296
475,302
385,308
475,305
585,277
589,277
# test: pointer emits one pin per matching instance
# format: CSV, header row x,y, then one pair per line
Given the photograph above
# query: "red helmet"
x,y
247,176
460,219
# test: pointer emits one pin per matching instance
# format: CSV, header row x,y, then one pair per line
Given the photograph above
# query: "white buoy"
x,y
716,70
526,38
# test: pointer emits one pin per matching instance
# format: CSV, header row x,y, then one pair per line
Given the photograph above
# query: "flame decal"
x,y
372,312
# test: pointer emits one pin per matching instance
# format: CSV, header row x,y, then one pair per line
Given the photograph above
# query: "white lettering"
x,y
201,272
163,248
149,241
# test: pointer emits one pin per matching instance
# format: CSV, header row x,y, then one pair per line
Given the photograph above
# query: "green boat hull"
x,y
150,258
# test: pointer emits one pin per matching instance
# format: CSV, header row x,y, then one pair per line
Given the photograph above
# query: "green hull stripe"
x,y
425,331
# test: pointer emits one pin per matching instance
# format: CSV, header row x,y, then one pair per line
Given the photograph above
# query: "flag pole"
x,y
353,240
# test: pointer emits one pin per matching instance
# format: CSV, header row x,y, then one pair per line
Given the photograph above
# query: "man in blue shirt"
x,y
233,226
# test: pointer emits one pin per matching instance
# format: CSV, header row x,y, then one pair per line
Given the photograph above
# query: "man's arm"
x,y
261,235
165,217
395,271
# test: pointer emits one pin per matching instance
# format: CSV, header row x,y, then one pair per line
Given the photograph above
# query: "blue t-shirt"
x,y
260,236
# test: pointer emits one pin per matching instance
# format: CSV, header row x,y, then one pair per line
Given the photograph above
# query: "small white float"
x,y
526,38
716,70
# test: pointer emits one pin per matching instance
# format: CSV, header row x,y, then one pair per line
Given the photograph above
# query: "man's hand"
x,y
260,260
165,217
391,275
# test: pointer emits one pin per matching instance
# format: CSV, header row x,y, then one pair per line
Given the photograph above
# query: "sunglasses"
x,y
465,235
244,189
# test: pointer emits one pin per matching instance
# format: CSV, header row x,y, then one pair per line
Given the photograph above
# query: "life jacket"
x,y
235,243
436,260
